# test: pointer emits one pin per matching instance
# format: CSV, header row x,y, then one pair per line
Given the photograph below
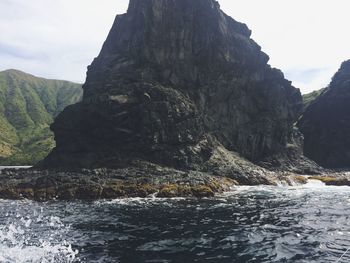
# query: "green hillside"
x,y
310,97
28,105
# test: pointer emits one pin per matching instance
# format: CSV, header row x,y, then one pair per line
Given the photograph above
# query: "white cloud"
x,y
298,35
58,39
54,39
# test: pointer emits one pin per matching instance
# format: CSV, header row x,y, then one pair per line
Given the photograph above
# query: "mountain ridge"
x,y
28,105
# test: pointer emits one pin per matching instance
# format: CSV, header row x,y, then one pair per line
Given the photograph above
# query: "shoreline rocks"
x,y
95,184
142,181
337,179
90,185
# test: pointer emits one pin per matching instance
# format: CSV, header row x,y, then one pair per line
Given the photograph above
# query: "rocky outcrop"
x,y
178,83
142,179
292,159
326,123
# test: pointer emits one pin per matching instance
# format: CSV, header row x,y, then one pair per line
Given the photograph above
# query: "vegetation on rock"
x,y
28,105
310,97
300,179
104,183
335,181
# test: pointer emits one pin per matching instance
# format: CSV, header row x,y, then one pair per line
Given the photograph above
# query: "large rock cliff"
x,y
181,84
326,123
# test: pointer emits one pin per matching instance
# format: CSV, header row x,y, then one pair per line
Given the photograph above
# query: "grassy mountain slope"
x,y
28,105
310,97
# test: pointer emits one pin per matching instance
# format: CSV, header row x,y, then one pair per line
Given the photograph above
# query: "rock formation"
x,y
326,123
178,83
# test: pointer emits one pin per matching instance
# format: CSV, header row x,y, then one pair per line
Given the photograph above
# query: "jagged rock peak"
x,y
175,80
169,40
342,78
161,9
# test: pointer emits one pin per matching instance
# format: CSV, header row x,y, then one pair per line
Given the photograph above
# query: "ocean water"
x,y
308,223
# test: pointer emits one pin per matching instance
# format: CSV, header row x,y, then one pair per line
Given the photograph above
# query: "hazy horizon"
x,y
59,39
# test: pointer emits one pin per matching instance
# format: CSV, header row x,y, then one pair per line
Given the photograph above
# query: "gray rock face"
x,y
175,81
326,123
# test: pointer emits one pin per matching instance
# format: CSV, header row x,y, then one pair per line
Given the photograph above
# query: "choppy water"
x,y
251,224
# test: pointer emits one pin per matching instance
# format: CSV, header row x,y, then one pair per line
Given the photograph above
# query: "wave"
x,y
21,242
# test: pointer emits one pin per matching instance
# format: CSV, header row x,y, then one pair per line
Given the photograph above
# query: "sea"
x,y
309,223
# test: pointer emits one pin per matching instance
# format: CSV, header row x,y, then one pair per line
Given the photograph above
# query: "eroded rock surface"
x,y
142,179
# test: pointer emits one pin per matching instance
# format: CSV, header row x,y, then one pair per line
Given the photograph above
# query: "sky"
x,y
58,39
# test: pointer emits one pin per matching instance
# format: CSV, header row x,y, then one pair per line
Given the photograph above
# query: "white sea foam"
x,y
137,201
45,253
20,244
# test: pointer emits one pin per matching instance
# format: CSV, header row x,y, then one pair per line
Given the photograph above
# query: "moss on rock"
x,y
329,180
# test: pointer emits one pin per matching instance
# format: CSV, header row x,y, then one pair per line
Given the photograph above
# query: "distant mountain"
x,y
310,97
28,105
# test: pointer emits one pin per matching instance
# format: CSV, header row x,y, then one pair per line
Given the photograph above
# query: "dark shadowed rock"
x,y
292,159
326,123
180,84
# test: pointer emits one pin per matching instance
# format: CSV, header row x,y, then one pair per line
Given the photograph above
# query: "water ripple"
x,y
250,224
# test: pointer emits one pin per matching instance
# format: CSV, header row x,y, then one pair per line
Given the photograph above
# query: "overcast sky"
x,y
306,39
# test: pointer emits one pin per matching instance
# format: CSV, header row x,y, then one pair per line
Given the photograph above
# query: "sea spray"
x,y
31,236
